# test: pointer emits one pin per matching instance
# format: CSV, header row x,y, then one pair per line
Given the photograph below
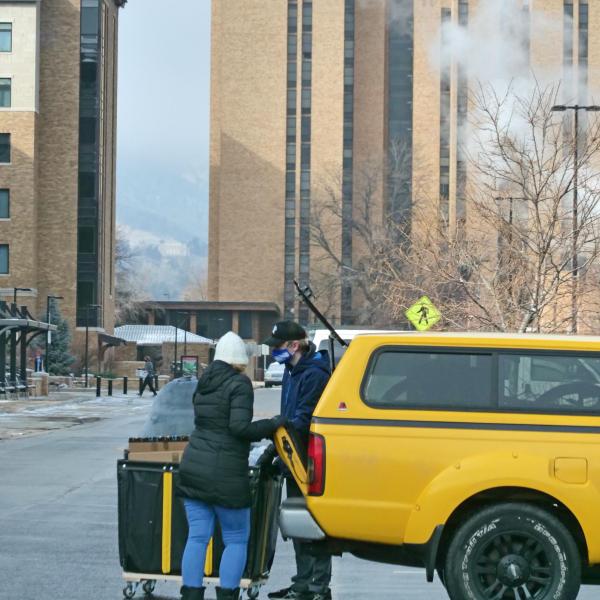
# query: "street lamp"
x,y
48,299
176,319
87,325
574,259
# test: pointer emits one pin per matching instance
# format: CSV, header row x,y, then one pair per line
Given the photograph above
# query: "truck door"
x,y
292,450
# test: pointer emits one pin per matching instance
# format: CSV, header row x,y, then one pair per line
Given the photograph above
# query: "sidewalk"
x,y
25,417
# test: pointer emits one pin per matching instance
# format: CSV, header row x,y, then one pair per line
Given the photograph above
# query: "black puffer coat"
x,y
214,467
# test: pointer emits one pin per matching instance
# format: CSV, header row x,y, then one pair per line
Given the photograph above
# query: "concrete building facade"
x,y
58,74
305,88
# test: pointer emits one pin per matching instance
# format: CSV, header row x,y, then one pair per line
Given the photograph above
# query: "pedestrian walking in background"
x,y
306,375
214,481
150,374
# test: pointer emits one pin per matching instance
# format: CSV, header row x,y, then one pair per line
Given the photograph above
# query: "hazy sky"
x,y
164,74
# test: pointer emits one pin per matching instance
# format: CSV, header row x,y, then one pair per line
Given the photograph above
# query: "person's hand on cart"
x,y
269,462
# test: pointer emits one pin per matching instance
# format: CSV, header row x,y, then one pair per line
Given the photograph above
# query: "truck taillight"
x,y
316,465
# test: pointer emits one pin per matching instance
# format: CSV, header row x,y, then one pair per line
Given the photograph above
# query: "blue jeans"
x,y
235,528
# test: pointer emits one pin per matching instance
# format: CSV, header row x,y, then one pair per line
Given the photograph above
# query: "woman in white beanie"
x,y
214,469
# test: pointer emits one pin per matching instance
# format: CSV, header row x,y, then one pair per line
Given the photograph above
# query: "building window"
x,y
347,163
4,204
400,113
583,54
291,158
4,262
568,33
305,151
5,37
5,93
445,103
87,130
245,328
462,118
87,185
87,241
4,148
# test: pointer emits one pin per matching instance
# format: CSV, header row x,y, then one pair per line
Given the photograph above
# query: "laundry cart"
x,y
153,526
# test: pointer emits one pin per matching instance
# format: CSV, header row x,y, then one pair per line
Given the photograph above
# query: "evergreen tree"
x,y
59,353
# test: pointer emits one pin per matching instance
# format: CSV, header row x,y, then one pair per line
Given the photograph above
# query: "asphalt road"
x,y
58,516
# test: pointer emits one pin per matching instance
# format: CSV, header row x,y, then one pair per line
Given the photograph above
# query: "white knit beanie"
x,y
231,349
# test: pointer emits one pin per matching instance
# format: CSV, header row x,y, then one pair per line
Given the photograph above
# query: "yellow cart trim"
x,y
208,564
166,521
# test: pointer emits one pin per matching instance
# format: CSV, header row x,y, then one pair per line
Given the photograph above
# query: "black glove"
x,y
279,421
266,465
266,458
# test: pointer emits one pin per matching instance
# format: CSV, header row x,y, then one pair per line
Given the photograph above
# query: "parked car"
x,y
476,456
274,374
320,338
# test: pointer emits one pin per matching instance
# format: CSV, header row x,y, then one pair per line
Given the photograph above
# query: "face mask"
x,y
282,355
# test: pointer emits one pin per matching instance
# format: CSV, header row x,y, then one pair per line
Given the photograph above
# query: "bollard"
x,y
156,383
110,382
98,387
140,386
125,386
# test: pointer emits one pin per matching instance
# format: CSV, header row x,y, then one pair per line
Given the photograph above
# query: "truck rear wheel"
x,y
512,551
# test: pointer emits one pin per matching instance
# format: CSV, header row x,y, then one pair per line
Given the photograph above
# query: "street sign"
x,y
423,314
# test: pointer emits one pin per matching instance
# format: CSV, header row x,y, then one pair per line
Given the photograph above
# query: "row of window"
x,y
5,82
290,183
347,162
469,381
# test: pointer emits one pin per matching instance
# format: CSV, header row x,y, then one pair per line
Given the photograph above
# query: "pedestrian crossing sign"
x,y
423,314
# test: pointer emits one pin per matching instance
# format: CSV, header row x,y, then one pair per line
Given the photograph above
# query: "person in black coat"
x,y
214,478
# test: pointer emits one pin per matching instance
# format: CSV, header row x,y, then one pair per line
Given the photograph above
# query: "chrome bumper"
x,y
296,522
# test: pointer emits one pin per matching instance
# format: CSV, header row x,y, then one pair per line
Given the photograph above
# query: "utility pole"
x,y
87,327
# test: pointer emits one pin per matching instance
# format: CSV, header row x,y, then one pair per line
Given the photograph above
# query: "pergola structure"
x,y
18,328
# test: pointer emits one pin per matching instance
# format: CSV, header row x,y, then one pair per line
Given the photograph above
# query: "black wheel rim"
x,y
513,566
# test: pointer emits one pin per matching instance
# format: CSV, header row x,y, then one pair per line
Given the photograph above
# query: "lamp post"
x,y
176,319
575,224
48,299
87,327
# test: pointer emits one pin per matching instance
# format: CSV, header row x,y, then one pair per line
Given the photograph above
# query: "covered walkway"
x,y
17,330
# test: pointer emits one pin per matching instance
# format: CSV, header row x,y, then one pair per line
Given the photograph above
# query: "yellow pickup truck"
x,y
473,455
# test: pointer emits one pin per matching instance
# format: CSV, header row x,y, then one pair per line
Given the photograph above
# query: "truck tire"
x,y
512,551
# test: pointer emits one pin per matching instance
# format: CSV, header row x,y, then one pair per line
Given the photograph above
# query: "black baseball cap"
x,y
285,331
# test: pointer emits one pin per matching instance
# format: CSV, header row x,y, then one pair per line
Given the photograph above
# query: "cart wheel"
x,y
149,586
129,590
253,592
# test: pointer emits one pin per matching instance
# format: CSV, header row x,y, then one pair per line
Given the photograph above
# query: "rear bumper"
x,y
296,522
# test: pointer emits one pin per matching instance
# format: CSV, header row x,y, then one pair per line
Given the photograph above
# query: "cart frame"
x,y
148,582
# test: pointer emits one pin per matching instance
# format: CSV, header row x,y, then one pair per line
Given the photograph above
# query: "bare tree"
x,y
196,288
129,286
511,267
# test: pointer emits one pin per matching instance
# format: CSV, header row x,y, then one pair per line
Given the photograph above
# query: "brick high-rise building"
x,y
58,80
301,88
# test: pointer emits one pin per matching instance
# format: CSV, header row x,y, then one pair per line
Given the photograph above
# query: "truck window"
x,y
443,380
555,383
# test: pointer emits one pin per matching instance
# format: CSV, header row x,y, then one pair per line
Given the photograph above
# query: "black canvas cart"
x,y
153,527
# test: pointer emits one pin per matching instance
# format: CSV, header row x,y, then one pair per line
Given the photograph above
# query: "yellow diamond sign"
x,y
423,314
